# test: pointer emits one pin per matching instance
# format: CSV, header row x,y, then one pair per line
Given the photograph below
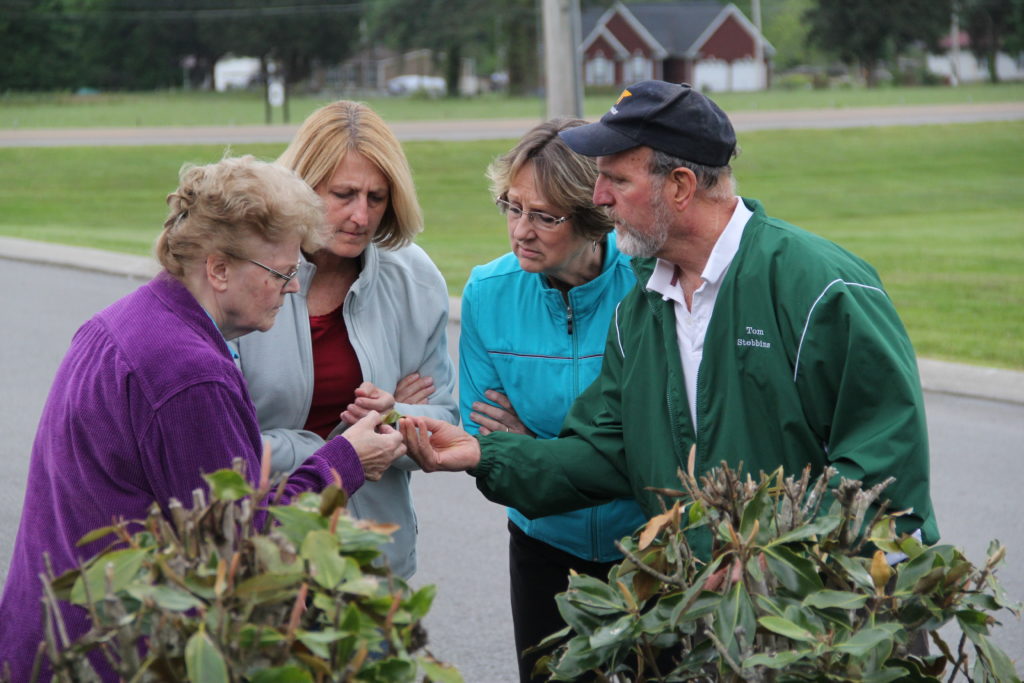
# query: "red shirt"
x,y
336,372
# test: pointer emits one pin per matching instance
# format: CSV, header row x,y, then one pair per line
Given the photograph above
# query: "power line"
x,y
198,13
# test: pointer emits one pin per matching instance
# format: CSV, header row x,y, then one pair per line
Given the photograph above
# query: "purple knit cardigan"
x,y
146,400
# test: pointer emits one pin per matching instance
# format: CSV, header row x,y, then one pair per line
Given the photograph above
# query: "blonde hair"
x,y
563,177
331,132
219,207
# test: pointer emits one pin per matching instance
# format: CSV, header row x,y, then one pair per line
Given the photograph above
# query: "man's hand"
x,y
414,389
439,446
376,444
497,419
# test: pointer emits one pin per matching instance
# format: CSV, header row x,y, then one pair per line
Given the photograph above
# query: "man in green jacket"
x,y
745,337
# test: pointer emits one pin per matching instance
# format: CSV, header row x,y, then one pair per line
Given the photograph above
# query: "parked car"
x,y
411,83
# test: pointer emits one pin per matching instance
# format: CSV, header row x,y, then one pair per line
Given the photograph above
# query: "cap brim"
x,y
597,140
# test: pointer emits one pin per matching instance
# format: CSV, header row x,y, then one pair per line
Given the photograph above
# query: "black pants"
x,y
538,572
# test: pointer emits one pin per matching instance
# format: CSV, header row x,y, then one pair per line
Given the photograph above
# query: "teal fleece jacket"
x,y
520,337
805,362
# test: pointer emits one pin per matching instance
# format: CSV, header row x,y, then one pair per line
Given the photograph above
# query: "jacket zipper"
x,y
568,317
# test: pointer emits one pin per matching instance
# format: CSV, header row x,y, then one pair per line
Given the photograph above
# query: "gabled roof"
x,y
672,29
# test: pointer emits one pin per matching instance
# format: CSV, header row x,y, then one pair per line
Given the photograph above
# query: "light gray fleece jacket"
x,y
397,317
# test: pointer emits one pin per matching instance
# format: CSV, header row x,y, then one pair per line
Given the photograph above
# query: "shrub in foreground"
x,y
798,588
207,596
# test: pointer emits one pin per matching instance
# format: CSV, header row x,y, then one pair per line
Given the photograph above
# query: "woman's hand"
x,y
411,389
369,398
376,444
414,389
495,419
437,445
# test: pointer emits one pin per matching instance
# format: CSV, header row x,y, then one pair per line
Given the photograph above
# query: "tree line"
x,y
147,44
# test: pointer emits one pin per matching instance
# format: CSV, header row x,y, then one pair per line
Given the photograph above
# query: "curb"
x,y
942,377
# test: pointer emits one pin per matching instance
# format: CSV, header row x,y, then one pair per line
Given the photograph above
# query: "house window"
x,y
600,71
638,68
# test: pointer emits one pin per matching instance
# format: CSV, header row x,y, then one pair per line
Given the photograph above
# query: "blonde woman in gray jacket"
x,y
367,329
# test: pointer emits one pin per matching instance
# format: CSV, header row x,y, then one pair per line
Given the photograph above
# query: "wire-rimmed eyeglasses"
x,y
538,219
286,277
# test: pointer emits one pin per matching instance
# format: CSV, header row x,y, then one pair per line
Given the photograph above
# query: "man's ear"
x,y
217,271
682,184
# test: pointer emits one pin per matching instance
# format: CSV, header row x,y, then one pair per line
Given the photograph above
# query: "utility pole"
x,y
561,20
755,10
954,46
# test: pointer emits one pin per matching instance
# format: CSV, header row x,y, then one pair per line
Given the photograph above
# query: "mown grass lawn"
x,y
175,108
939,210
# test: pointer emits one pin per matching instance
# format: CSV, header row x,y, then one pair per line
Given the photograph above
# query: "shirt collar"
x,y
665,278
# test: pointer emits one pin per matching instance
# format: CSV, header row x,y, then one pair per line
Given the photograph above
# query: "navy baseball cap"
x,y
669,117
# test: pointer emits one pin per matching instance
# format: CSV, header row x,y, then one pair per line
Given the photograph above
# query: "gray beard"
x,y
633,242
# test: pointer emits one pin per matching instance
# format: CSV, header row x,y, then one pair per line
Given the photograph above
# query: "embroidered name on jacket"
x,y
753,338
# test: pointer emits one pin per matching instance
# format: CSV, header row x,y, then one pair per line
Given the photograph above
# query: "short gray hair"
x,y
714,182
218,207
564,177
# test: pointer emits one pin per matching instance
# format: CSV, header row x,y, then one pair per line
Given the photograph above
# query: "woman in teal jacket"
x,y
534,323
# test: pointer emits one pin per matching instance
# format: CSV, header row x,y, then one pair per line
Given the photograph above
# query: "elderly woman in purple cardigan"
x,y
148,397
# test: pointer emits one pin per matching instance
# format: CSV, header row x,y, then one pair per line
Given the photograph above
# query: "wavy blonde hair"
x,y
331,132
219,207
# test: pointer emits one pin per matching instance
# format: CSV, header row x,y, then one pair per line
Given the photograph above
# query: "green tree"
x,y
993,26
125,46
37,44
504,36
866,33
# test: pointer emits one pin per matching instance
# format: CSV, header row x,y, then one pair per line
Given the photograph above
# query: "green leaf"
x,y
695,513
867,639
267,583
282,674
795,572
617,632
779,660
889,674
819,526
203,660
438,672
323,551
856,569
785,627
825,599
990,657
317,641
595,595
755,510
125,564
296,523
419,602
365,586
165,597
735,621
227,485
257,636
96,534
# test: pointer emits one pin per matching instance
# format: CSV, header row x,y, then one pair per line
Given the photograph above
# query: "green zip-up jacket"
x,y
805,361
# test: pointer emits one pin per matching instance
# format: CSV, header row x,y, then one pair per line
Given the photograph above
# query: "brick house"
x,y
712,46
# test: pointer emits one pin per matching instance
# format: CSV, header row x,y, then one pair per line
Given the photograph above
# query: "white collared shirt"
x,y
692,323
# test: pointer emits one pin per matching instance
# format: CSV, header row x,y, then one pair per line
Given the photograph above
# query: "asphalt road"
x,y
976,470
509,128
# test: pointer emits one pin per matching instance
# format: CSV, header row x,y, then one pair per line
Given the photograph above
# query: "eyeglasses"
x,y
287,277
538,219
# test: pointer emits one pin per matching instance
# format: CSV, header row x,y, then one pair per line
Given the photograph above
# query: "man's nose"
x,y
602,197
